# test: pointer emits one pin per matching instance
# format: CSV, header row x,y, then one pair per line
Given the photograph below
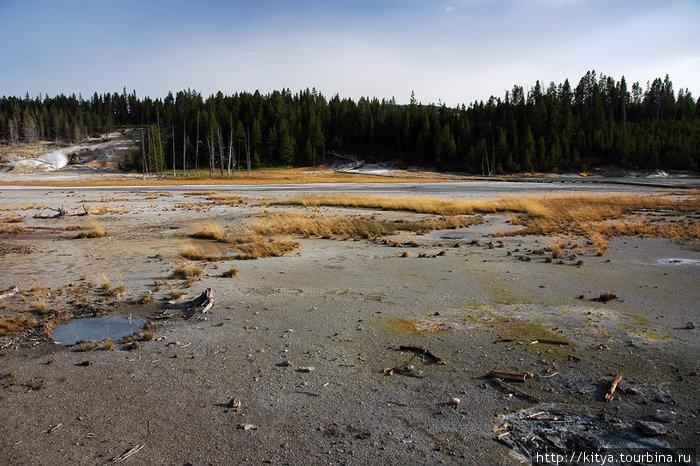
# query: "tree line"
x,y
600,121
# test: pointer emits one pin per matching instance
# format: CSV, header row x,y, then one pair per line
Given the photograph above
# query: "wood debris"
x,y
9,293
203,303
128,454
613,386
514,376
546,341
516,391
408,370
422,352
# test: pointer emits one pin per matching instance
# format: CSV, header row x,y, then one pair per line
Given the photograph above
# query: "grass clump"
x,y
187,271
10,325
176,294
86,345
147,335
107,344
95,230
210,230
232,272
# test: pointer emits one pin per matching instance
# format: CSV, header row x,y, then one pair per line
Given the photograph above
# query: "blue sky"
x,y
454,51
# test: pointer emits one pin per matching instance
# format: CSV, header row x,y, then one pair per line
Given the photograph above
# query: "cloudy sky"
x,y
454,51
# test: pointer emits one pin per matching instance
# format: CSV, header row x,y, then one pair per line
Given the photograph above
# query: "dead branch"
x,y
546,341
60,213
514,376
517,391
7,294
422,352
127,454
613,386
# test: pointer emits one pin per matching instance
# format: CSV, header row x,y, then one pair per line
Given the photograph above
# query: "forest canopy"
x,y
600,121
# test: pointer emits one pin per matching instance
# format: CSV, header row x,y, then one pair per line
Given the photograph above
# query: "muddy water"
x,y
114,327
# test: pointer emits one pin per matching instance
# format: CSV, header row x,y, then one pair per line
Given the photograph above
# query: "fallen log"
x,y
423,352
60,213
613,386
515,376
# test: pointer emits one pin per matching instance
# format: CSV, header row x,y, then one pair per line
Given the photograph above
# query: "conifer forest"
x,y
557,128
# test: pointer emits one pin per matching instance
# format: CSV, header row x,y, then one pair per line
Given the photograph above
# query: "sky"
x,y
445,51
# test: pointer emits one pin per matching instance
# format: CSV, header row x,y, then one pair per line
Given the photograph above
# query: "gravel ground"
x,y
341,308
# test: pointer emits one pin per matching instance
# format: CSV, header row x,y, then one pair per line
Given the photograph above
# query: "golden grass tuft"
x,y
187,271
12,219
95,230
11,229
176,294
232,272
107,344
209,230
86,345
10,325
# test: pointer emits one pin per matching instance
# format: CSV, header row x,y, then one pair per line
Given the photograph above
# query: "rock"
x,y
306,369
650,427
246,427
284,364
690,326
665,415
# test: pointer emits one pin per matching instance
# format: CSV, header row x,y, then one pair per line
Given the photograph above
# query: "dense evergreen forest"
x,y
599,122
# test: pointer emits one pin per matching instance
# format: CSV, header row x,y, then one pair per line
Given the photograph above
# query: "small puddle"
x,y
114,327
678,261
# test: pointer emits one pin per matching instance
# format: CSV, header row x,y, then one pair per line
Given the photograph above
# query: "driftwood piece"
x,y
613,386
517,391
514,376
203,303
422,352
547,341
127,454
9,293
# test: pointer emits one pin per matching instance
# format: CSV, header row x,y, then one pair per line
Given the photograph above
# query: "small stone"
x,y
306,369
650,427
284,364
665,415
690,326
246,427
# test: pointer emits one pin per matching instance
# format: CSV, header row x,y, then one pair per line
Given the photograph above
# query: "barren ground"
x,y
343,308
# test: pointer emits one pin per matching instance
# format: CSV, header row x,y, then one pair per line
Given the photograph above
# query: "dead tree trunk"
x,y
184,146
221,150
196,150
247,150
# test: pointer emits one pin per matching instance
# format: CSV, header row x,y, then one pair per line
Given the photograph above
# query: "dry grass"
x,y
107,210
11,229
12,219
209,230
190,251
595,216
86,345
104,282
176,294
95,230
324,226
187,271
40,307
264,176
147,335
232,272
107,344
10,325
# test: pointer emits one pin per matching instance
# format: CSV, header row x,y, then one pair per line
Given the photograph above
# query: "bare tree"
x,y
247,149
184,146
221,149
230,148
196,150
173,138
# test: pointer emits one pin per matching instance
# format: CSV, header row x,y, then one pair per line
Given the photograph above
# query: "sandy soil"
x,y
341,307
